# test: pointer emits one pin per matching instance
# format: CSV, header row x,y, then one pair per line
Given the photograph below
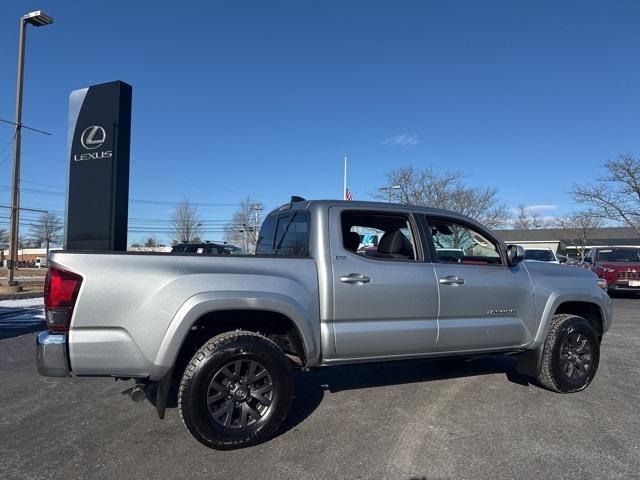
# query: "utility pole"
x,y
257,208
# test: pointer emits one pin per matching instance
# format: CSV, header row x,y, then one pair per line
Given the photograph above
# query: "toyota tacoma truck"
x,y
229,329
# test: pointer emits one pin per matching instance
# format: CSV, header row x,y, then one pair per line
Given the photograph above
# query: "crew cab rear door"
x,y
385,295
484,304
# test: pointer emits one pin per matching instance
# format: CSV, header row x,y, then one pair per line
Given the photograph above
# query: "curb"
x,y
18,296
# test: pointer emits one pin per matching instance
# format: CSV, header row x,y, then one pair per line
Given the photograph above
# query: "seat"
x,y
351,241
395,245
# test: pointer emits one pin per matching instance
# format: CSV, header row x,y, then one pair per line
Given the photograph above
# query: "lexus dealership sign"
x,y
98,192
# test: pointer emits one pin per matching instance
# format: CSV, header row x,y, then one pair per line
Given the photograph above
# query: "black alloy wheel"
x,y
240,394
236,391
571,354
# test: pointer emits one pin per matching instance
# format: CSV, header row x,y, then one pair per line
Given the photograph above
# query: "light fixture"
x,y
37,18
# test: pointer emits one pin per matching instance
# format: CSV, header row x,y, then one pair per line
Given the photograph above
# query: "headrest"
x,y
352,241
391,242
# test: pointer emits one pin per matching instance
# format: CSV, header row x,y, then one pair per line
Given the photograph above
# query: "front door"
x,y
385,296
484,304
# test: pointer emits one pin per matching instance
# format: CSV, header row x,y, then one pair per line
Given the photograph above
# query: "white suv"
x,y
540,255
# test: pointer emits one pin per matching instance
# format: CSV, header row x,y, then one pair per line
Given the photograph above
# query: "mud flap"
x,y
162,393
530,362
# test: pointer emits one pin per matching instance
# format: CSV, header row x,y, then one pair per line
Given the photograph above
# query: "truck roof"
x,y
312,204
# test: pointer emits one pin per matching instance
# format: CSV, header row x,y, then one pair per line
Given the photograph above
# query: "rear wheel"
x,y
571,354
236,391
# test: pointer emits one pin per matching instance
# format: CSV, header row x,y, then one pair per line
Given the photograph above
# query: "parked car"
x,y
619,266
208,248
229,329
540,255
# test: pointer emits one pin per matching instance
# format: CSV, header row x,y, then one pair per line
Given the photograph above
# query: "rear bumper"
x,y
51,355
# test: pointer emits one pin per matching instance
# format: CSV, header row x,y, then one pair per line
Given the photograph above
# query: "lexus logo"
x,y
93,137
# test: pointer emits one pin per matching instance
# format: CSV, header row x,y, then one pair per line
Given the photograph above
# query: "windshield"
x,y
539,255
232,250
619,255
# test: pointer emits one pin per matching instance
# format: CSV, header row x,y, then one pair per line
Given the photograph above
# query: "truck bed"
x,y
134,308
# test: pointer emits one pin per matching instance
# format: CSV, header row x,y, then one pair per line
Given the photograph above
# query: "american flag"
x,y
347,195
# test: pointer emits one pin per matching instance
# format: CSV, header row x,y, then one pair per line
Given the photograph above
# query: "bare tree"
x,y
444,190
616,194
522,220
527,219
47,230
578,229
245,224
150,244
185,223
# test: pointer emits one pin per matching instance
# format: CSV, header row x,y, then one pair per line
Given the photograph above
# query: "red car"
x,y
619,266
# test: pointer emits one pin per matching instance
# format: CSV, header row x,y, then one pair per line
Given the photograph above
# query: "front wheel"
x,y
571,354
236,391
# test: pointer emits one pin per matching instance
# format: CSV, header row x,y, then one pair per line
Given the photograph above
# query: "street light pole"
x,y
390,189
15,186
37,19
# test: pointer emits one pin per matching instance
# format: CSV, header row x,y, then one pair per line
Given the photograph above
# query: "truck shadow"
x,y
310,387
20,321
623,294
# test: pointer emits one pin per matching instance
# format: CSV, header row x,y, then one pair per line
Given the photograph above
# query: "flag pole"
x,y
344,189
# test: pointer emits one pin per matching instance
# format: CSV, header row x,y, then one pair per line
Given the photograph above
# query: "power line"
x,y
37,191
166,202
207,187
6,147
22,125
57,159
42,184
24,208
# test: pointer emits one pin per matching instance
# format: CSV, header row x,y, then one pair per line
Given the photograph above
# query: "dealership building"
x,y
563,241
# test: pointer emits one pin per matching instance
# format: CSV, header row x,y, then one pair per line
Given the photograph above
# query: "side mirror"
x,y
515,254
562,259
588,260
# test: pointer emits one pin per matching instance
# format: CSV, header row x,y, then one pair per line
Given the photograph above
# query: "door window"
x,y
379,235
458,243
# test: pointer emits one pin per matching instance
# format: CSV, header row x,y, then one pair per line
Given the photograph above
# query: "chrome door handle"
x,y
451,280
356,278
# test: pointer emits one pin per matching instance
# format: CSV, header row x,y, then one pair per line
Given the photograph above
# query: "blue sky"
x,y
263,98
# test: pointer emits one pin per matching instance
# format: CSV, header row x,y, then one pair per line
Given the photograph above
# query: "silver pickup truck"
x,y
332,282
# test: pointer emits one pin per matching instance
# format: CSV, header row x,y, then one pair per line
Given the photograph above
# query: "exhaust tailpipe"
x,y
139,392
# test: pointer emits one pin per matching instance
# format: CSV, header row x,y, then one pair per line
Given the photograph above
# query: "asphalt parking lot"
x,y
406,420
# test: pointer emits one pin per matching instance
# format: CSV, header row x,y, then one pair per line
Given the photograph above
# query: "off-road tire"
x,y
551,374
199,373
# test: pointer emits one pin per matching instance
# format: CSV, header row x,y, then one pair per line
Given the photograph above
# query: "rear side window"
x,y
285,234
378,235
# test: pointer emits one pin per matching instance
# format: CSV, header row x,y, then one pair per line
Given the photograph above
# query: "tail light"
x,y
60,293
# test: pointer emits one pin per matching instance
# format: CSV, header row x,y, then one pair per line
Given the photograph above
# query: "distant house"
x,y
560,240
27,257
